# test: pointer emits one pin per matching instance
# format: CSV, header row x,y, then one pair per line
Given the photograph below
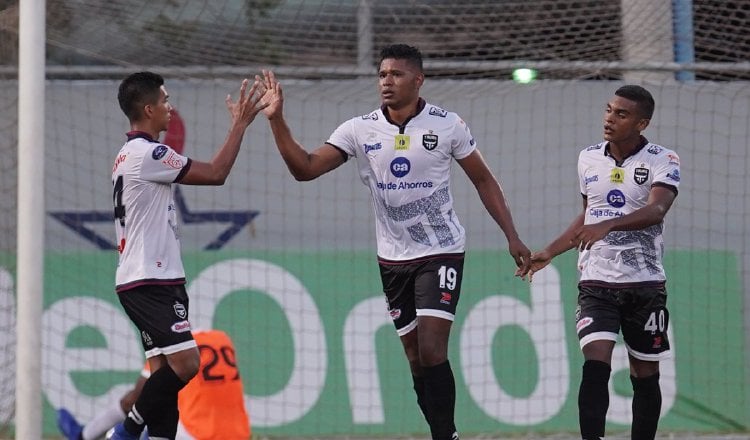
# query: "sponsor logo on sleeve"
x,y
654,149
674,175
591,179
159,152
173,160
373,116
437,111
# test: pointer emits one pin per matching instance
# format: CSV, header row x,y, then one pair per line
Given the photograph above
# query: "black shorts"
x,y
641,312
161,315
427,287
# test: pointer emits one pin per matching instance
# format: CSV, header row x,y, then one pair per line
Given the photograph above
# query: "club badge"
x,y
640,175
429,141
180,310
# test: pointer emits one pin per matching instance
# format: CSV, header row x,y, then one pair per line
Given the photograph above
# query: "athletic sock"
x,y
157,405
593,399
440,399
421,401
646,407
103,421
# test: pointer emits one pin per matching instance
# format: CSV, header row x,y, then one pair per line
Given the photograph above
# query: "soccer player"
x,y
403,152
150,279
628,185
211,405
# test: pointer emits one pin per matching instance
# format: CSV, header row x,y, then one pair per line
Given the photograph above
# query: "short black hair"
x,y
402,52
138,90
640,96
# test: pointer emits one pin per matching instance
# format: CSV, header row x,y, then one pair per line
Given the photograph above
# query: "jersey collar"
x,y
139,134
420,106
640,146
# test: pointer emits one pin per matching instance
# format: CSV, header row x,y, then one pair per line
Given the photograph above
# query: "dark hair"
x,y
640,96
138,90
402,52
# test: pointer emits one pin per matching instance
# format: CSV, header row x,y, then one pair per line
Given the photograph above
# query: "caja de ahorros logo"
x,y
616,198
429,141
400,166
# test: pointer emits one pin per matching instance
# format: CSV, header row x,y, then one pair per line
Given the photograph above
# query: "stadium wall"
x,y
321,356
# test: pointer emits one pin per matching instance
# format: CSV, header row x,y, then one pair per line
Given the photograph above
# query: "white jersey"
x,y
613,190
407,169
145,217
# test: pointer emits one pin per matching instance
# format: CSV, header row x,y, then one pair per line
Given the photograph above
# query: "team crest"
x,y
640,175
180,310
429,141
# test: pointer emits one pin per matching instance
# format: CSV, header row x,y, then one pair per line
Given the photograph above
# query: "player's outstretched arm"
x,y
302,165
562,243
242,113
659,201
493,198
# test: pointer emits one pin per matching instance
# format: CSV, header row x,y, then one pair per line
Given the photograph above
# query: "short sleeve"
x,y
344,138
582,174
667,170
162,164
463,143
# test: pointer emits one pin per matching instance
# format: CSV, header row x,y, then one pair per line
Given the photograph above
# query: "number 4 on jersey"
x,y
119,209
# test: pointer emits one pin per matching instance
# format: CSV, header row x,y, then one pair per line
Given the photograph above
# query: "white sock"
x,y
100,424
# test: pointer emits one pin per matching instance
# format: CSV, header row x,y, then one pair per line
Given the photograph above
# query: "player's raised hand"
x,y
273,94
248,105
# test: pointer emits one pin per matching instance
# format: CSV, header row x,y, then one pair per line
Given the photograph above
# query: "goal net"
x,y
288,269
